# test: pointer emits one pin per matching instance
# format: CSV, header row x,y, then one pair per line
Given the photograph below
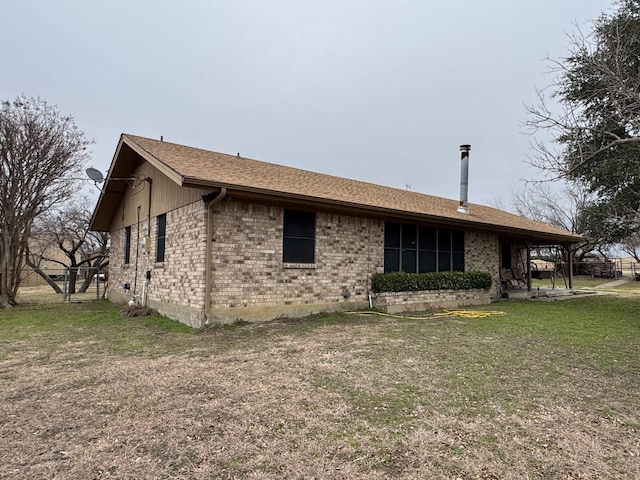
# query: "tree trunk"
x,y
73,276
94,269
10,267
46,277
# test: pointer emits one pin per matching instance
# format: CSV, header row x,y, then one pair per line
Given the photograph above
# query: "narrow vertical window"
x,y
127,245
391,247
506,255
409,248
428,249
161,236
457,247
299,237
444,250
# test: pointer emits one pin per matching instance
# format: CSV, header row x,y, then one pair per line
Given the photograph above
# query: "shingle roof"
x,y
194,167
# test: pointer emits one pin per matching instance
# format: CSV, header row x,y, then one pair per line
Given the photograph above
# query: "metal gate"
x,y
77,284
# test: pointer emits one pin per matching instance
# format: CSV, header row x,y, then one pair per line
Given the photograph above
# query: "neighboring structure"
x,y
49,258
208,237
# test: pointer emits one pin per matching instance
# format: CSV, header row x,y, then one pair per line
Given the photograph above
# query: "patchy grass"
x,y
44,294
628,289
578,282
551,390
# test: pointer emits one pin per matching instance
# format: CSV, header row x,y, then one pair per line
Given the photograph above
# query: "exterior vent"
x,y
464,179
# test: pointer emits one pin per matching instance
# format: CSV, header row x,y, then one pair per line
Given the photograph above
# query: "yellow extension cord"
x,y
446,313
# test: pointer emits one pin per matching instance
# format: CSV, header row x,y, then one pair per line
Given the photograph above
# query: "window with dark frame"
x,y
299,236
127,245
419,249
161,236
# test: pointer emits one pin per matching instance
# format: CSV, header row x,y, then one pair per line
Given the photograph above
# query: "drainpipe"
x,y
135,271
148,180
464,178
209,201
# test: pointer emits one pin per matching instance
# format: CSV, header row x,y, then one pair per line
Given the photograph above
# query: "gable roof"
x,y
203,169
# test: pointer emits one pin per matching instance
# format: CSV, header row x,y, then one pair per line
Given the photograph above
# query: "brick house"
x,y
208,237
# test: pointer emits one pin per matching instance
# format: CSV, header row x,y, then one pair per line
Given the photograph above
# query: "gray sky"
x,y
383,91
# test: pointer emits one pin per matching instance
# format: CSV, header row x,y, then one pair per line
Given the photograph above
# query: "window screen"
x,y
299,237
412,248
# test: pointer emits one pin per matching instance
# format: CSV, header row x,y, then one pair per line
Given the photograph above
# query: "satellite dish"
x,y
95,175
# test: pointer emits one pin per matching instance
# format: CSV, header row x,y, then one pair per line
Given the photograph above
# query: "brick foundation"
x,y
397,302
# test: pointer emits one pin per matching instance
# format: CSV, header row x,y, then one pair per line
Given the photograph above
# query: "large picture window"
x,y
418,249
161,236
299,237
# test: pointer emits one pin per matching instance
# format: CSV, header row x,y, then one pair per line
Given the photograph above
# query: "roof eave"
x,y
101,218
382,212
97,223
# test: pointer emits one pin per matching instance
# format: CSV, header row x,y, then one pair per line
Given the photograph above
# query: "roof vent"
x,y
464,179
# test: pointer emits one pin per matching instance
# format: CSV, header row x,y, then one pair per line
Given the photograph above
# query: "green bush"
x,y
412,282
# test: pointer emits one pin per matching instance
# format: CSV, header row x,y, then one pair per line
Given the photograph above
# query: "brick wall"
x,y
180,279
176,288
249,279
482,254
247,259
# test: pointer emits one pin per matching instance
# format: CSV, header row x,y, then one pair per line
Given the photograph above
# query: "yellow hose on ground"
x,y
446,313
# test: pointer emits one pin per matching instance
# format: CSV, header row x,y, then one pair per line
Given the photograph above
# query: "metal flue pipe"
x,y
464,179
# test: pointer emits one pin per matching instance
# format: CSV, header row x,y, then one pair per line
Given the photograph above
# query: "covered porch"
x,y
518,267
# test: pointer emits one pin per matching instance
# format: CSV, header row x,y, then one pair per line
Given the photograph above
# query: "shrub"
x,y
403,282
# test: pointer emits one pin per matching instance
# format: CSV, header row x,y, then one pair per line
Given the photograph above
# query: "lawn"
x,y
549,390
629,287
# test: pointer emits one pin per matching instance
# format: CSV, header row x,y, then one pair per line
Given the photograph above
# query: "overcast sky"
x,y
383,91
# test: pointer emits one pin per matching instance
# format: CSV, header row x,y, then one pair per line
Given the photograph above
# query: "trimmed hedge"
x,y
412,282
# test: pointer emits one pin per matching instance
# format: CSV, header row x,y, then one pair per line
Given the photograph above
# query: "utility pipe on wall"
x,y
145,286
209,201
148,180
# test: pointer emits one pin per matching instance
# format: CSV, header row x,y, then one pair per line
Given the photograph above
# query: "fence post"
x,y
97,270
65,284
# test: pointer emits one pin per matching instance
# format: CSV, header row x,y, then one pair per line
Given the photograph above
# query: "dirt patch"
x,y
136,311
368,399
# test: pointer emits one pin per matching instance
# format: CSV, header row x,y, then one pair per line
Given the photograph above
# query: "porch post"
x,y
570,255
528,244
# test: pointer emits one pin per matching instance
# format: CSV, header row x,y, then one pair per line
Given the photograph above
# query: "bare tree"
x,y
631,246
564,208
41,151
592,111
65,230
